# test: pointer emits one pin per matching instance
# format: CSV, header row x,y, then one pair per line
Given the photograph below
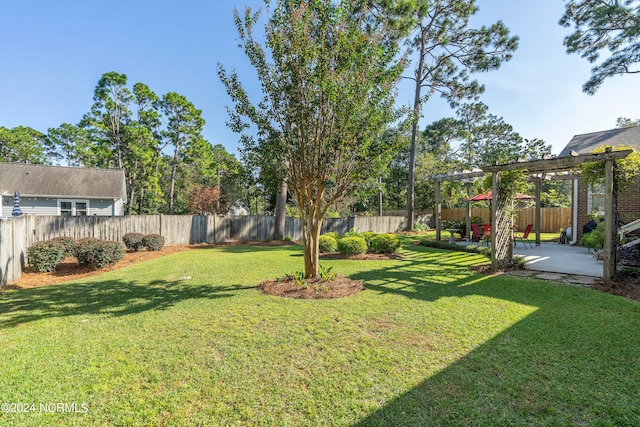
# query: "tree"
x,y
604,25
71,142
204,200
184,127
625,122
447,53
327,99
145,151
23,144
109,116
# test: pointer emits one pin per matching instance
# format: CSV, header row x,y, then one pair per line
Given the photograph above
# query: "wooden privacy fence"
x,y
194,229
17,234
551,219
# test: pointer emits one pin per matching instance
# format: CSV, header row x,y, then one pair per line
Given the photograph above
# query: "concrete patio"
x,y
556,258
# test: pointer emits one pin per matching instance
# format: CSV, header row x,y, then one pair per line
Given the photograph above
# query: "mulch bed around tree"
x,y
288,287
338,287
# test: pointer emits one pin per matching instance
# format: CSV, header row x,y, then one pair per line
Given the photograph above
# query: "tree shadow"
x,y
558,365
110,297
254,247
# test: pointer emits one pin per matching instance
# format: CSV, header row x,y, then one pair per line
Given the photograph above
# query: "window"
x,y
66,208
81,209
73,207
595,200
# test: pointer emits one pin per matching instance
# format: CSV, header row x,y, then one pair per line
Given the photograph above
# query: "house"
x,y
56,190
591,201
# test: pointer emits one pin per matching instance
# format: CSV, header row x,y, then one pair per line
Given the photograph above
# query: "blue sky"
x,y
53,54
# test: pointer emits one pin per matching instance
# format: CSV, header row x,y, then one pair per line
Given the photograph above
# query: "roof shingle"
x,y
40,180
586,143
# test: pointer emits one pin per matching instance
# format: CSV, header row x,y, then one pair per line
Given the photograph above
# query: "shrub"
x,y
482,250
99,253
133,241
69,244
385,244
327,244
594,239
45,256
353,233
333,234
153,242
352,245
421,227
368,237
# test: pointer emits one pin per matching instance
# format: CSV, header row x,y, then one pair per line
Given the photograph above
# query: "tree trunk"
x,y
414,139
141,203
379,196
280,213
311,241
132,189
173,178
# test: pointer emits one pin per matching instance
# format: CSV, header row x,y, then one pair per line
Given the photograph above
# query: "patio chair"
x,y
523,236
486,234
476,235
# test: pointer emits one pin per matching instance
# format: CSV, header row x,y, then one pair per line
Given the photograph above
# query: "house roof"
x,y
57,181
586,143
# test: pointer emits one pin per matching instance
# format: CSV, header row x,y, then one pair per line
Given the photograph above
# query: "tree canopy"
x,y
447,52
327,72
611,26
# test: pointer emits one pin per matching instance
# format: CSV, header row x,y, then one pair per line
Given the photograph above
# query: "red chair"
x,y
523,236
476,235
486,234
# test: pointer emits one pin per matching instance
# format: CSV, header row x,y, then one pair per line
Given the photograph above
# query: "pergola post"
x,y
438,213
609,267
468,236
494,216
537,212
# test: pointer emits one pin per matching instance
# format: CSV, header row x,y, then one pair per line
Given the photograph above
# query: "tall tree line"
x,y
157,140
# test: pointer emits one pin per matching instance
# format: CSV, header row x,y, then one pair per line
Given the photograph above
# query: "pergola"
x,y
535,168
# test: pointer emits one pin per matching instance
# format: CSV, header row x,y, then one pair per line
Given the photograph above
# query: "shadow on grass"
x,y
569,362
111,297
242,248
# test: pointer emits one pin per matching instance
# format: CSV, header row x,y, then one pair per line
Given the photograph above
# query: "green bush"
x,y
46,256
482,250
461,224
99,253
368,237
133,241
353,233
332,234
327,244
385,244
153,242
352,245
594,239
69,244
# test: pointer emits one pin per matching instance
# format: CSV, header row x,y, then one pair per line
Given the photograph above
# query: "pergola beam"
x,y
557,164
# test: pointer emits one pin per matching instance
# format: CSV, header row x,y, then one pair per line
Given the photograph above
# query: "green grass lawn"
x,y
427,343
